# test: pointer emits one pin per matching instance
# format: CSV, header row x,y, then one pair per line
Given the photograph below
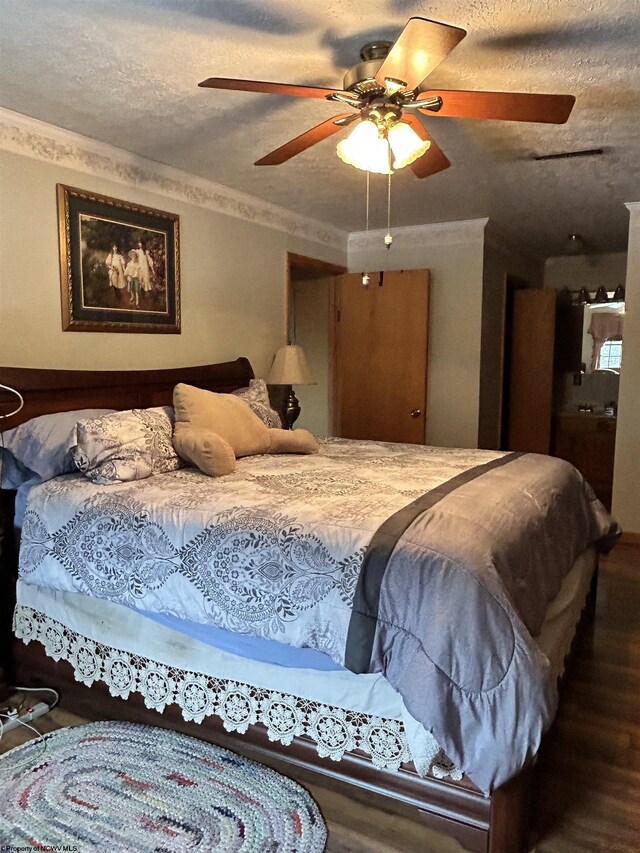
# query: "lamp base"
x,y
291,408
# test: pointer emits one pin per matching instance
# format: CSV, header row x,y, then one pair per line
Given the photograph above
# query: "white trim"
x,y
461,231
633,207
20,134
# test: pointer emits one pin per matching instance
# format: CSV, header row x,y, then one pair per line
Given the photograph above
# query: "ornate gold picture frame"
x,y
119,265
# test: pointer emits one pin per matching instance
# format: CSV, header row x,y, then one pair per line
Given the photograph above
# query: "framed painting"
x,y
119,265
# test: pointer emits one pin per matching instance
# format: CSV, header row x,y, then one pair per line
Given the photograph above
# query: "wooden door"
x,y
380,361
531,370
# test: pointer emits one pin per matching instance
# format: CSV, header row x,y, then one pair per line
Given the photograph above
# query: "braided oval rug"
x,y
125,787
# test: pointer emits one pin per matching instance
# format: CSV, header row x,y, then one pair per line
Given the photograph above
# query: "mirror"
x,y
602,326
574,343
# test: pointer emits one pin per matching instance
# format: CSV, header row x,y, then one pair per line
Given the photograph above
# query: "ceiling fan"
x,y
384,90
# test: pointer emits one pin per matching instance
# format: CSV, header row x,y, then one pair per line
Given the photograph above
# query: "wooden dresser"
x,y
588,442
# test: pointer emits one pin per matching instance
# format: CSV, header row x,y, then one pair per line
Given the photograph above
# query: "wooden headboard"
x,y
47,391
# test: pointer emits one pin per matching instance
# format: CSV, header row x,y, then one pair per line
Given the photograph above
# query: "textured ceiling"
x,y
126,72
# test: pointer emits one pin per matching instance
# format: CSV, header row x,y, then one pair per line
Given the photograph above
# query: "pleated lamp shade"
x,y
290,367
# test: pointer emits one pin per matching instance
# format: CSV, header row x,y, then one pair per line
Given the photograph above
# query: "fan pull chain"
x,y
366,278
388,239
368,196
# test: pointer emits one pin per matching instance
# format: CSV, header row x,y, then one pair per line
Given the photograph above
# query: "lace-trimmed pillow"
x,y
257,397
126,446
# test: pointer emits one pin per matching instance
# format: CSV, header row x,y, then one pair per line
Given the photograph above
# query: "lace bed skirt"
x,y
334,730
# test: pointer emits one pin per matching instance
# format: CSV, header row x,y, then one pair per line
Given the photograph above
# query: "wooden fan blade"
x,y
304,141
421,47
266,88
433,160
505,106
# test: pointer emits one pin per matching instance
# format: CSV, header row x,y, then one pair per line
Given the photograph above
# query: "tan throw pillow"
x,y
205,449
227,415
292,441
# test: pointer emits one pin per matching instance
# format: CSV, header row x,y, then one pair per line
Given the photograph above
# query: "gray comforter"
x,y
434,566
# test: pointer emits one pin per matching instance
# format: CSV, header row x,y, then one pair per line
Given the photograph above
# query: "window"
x,y
610,356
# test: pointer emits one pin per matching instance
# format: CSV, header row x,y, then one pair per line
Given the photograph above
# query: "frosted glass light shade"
x,y
290,367
406,145
365,149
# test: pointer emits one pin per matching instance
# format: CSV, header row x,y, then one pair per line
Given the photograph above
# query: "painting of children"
x,y
119,264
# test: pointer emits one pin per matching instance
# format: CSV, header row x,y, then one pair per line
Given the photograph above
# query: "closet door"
x,y
380,356
531,382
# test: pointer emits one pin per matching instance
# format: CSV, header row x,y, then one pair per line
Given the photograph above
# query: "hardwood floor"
x,y
589,770
588,776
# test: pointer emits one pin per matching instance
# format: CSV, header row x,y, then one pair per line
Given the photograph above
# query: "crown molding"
x,y
30,137
461,231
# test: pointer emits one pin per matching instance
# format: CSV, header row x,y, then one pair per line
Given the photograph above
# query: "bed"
x,y
308,690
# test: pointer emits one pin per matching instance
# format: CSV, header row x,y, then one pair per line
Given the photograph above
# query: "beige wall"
x,y
232,271
626,478
453,252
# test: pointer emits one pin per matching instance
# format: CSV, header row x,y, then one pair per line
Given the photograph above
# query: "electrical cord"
x,y
30,759
20,708
39,690
22,723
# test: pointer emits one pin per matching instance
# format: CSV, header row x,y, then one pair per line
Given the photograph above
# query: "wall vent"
x,y
588,152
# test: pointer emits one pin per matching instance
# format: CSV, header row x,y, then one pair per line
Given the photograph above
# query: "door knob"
x,y
415,413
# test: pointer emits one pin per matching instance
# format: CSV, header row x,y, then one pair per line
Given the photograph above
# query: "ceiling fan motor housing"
x,y
361,78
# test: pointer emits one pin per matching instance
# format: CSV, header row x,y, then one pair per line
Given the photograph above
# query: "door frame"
x,y
314,268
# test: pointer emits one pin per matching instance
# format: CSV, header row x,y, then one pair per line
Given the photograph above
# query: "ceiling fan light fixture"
x,y
406,145
366,149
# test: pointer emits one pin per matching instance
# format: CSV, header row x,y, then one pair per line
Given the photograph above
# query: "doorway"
x,y
309,301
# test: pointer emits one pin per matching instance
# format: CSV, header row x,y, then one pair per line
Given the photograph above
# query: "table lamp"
x,y
290,368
